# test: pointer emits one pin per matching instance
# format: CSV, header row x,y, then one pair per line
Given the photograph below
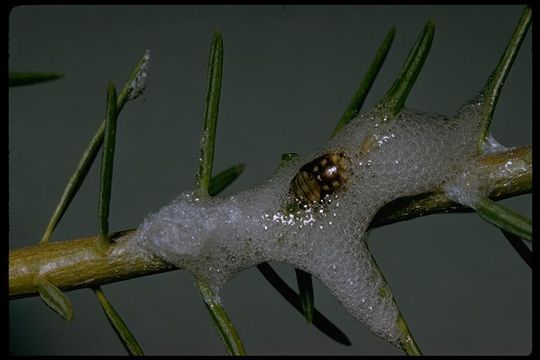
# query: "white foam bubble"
x,y
216,237
492,146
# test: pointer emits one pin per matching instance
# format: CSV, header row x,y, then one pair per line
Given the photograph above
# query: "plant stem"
x,y
206,187
394,99
361,93
305,289
121,329
30,78
89,155
495,83
215,65
504,218
407,344
436,202
77,263
220,181
319,320
221,320
521,248
107,162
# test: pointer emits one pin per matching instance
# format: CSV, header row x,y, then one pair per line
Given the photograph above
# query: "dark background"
x,y
289,72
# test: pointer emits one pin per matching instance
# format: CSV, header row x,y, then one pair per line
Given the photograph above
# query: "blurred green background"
x,y
289,72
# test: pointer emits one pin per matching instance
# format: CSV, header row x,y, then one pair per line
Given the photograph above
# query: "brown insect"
x,y
369,143
320,177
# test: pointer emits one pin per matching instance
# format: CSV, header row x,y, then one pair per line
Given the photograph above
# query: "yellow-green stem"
x,y
77,263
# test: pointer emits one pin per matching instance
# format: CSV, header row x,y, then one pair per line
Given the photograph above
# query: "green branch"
x,y
124,334
221,320
494,85
361,93
305,289
31,78
215,65
504,218
293,298
219,182
520,247
61,262
407,343
107,162
89,155
206,187
392,103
